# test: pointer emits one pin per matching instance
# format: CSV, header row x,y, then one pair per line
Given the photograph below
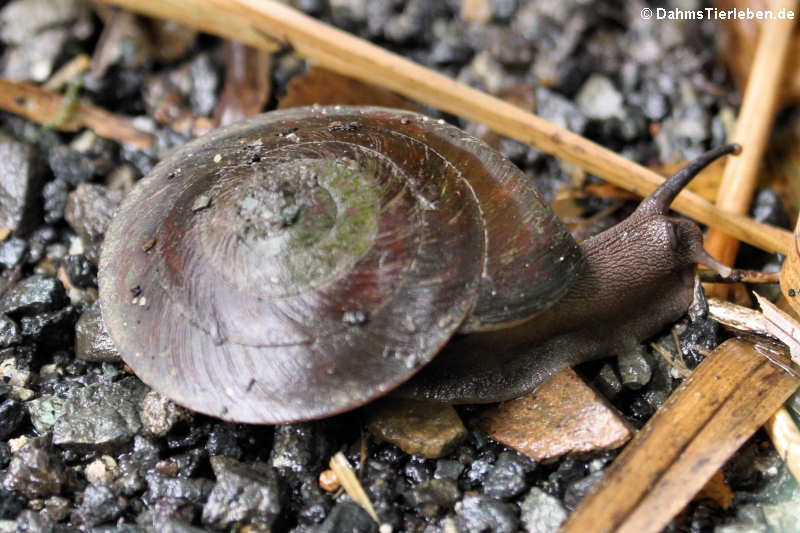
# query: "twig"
x,y
45,107
346,54
753,126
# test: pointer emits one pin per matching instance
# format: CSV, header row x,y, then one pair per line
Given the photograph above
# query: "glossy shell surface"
x,y
306,261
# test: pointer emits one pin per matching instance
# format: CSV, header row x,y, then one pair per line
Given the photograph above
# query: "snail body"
x,y
306,261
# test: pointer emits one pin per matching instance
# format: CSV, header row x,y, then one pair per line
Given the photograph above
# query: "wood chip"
x,y
41,106
4,233
785,437
713,412
347,477
563,415
781,325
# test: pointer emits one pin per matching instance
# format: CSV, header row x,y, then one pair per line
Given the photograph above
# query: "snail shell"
x,y
306,261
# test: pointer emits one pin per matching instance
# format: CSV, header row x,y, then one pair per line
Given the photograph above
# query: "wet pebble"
x,y
431,498
92,340
20,187
541,512
32,522
99,505
418,428
347,516
222,441
12,413
54,194
634,369
44,411
80,271
300,447
35,470
89,210
598,99
448,469
476,513
100,417
159,414
12,252
508,476
242,493
579,488
70,166
11,503
34,294
9,332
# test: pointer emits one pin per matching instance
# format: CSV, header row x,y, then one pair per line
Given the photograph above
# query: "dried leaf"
x,y
323,87
786,438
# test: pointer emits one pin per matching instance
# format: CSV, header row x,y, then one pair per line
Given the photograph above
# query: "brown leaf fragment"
x,y
705,420
417,427
790,272
41,106
323,87
717,490
247,88
563,415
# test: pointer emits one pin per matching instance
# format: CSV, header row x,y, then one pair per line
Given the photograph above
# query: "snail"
x,y
303,262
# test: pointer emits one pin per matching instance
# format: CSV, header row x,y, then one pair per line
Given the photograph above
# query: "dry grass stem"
x,y
273,22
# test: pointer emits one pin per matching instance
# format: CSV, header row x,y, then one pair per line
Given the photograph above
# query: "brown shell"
x,y
303,262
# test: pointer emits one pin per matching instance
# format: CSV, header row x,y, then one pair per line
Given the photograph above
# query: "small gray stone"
x,y
347,516
479,513
542,513
31,522
92,340
300,447
12,252
448,469
89,211
579,488
243,493
35,470
12,413
599,99
740,527
20,187
506,479
99,505
432,497
32,295
555,108
101,417
9,332
159,414
22,19
634,368
70,166
44,412
160,486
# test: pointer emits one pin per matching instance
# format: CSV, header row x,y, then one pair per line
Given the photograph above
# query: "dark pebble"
x,y
38,241
80,271
222,441
89,210
99,505
568,471
35,470
477,472
9,332
448,469
159,486
578,489
11,503
555,108
20,187
52,330
92,340
12,252
32,295
479,514
701,335
349,517
507,478
31,522
12,413
300,447
70,166
101,417
243,493
416,471
433,497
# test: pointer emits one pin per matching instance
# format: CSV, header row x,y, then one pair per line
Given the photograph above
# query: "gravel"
x,y
85,446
